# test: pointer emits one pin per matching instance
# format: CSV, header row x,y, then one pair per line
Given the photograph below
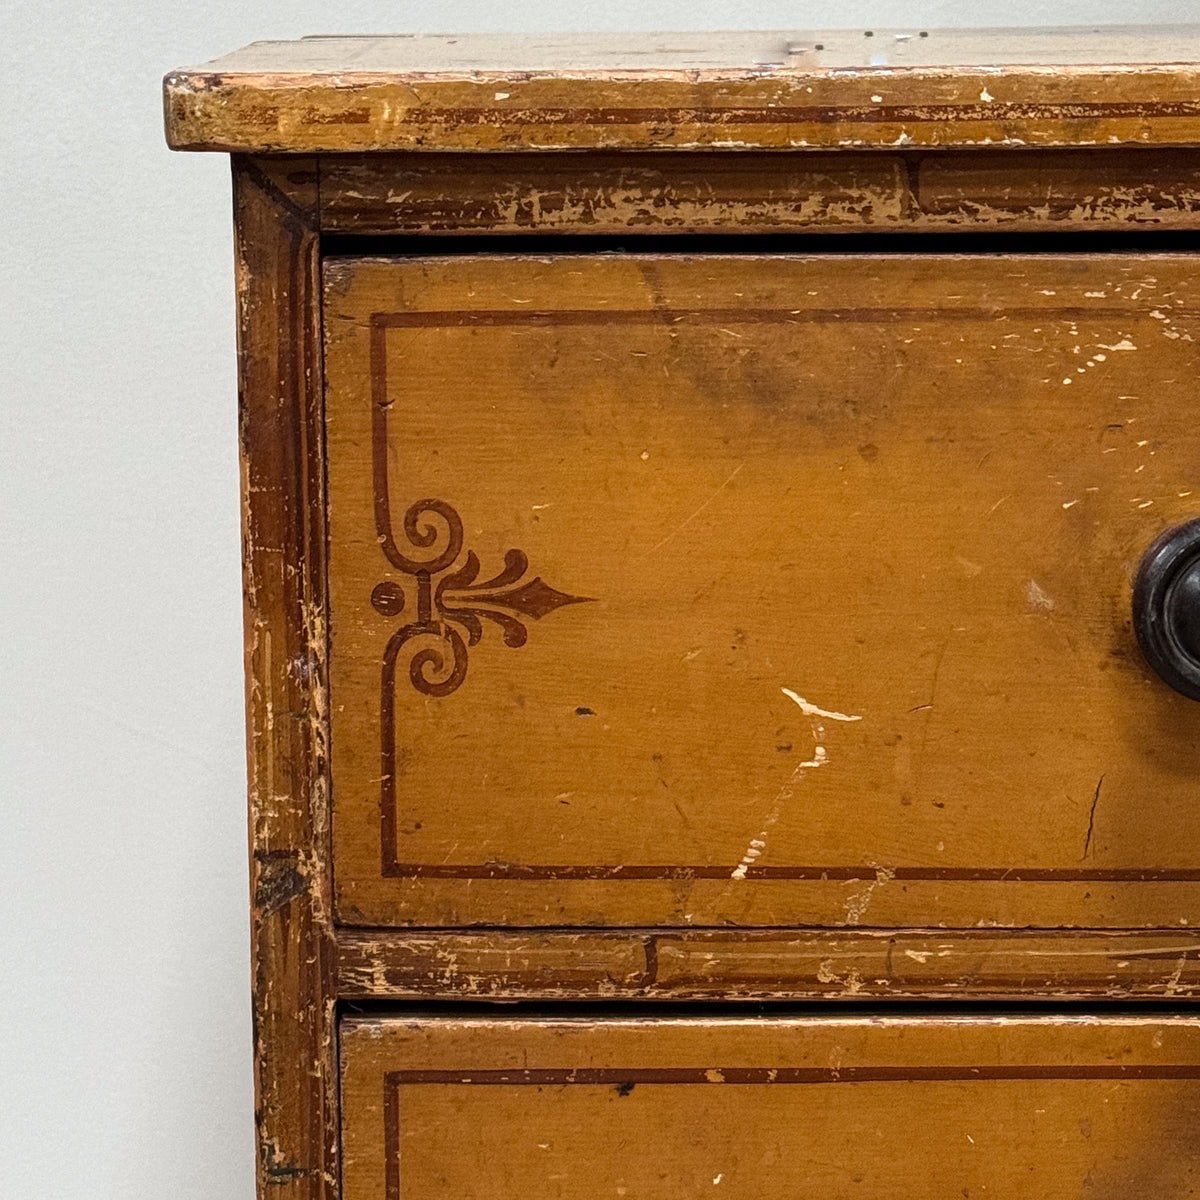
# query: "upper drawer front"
x,y
757,590
907,1109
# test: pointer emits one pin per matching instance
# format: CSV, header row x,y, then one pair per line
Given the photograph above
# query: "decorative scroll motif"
x,y
439,660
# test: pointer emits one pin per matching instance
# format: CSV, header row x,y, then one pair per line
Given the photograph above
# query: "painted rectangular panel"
x,y
911,1108
718,590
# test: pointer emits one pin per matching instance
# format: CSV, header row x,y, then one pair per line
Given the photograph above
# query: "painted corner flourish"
x,y
449,601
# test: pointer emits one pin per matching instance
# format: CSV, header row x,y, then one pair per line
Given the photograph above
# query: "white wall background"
x,y
124,1014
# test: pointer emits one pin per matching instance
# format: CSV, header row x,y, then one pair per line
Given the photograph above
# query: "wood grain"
x,y
901,1107
768,965
756,193
857,535
294,955
759,91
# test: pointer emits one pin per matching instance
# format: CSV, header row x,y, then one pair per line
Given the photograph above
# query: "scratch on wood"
x,y
1087,841
277,1172
927,707
684,524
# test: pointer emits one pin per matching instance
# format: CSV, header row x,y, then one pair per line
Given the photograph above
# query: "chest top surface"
x,y
863,88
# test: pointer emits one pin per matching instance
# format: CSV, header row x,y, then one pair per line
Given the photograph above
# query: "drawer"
x,y
674,590
910,1108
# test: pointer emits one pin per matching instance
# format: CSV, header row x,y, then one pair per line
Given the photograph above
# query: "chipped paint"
x,y
857,903
1037,596
811,710
758,844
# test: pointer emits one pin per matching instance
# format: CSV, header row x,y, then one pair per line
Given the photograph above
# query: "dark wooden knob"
x,y
1166,607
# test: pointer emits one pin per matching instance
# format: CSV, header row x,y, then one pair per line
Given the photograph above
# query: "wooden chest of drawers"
x,y
720,525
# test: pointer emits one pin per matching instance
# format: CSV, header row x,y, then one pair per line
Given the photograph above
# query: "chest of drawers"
x,y
719,527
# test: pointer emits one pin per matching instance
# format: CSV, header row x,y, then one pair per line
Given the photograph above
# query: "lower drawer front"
x,y
912,1108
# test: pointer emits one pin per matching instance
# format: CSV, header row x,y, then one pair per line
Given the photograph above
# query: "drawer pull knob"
x,y
1166,607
